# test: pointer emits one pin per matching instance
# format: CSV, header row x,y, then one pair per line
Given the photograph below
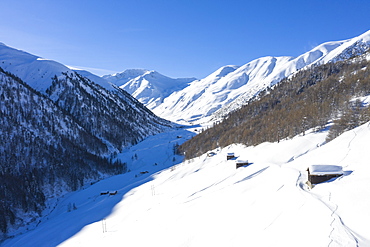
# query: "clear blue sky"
x,y
178,38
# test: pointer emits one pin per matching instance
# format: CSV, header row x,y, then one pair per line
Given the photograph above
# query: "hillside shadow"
x,y
345,173
252,175
90,206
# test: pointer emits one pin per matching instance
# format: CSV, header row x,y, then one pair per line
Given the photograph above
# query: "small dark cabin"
x,y
230,156
210,154
321,173
240,163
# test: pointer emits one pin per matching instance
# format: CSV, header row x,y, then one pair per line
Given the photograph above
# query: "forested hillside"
x,y
113,116
43,152
309,99
57,142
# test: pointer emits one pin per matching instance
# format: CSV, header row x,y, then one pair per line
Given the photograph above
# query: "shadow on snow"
x,y
153,155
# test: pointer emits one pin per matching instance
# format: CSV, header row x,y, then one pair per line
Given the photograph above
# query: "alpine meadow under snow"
x,y
119,179
207,202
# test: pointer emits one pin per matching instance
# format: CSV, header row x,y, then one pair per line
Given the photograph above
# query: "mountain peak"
x,y
230,87
125,76
148,86
129,73
225,70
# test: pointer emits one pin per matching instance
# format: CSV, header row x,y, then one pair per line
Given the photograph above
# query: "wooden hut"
x,y
240,163
230,156
211,154
321,173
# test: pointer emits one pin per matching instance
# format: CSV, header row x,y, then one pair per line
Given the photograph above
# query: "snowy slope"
x,y
121,78
61,138
36,71
230,87
324,53
149,87
110,111
203,97
207,202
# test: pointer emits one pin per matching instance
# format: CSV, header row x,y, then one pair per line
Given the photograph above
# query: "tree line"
x,y
43,153
308,99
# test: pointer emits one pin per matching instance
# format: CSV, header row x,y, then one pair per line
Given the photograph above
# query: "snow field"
x,y
206,201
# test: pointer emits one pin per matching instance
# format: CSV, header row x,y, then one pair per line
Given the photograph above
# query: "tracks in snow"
x,y
340,234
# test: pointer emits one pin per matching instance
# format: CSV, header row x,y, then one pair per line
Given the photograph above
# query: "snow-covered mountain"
x,y
58,128
149,87
324,53
71,89
37,71
44,151
230,87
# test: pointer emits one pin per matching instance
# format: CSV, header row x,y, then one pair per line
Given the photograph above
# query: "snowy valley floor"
x,y
206,201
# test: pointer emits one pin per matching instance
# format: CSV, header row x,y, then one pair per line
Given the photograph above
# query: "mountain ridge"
x,y
213,97
309,99
148,86
37,71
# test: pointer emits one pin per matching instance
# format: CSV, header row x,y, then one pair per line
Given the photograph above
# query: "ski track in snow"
x,y
337,224
349,148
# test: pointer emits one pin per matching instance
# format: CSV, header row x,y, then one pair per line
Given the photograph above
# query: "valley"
x,y
207,201
140,159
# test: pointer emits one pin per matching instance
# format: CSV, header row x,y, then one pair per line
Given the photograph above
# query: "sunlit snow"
x,y
206,201
230,87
